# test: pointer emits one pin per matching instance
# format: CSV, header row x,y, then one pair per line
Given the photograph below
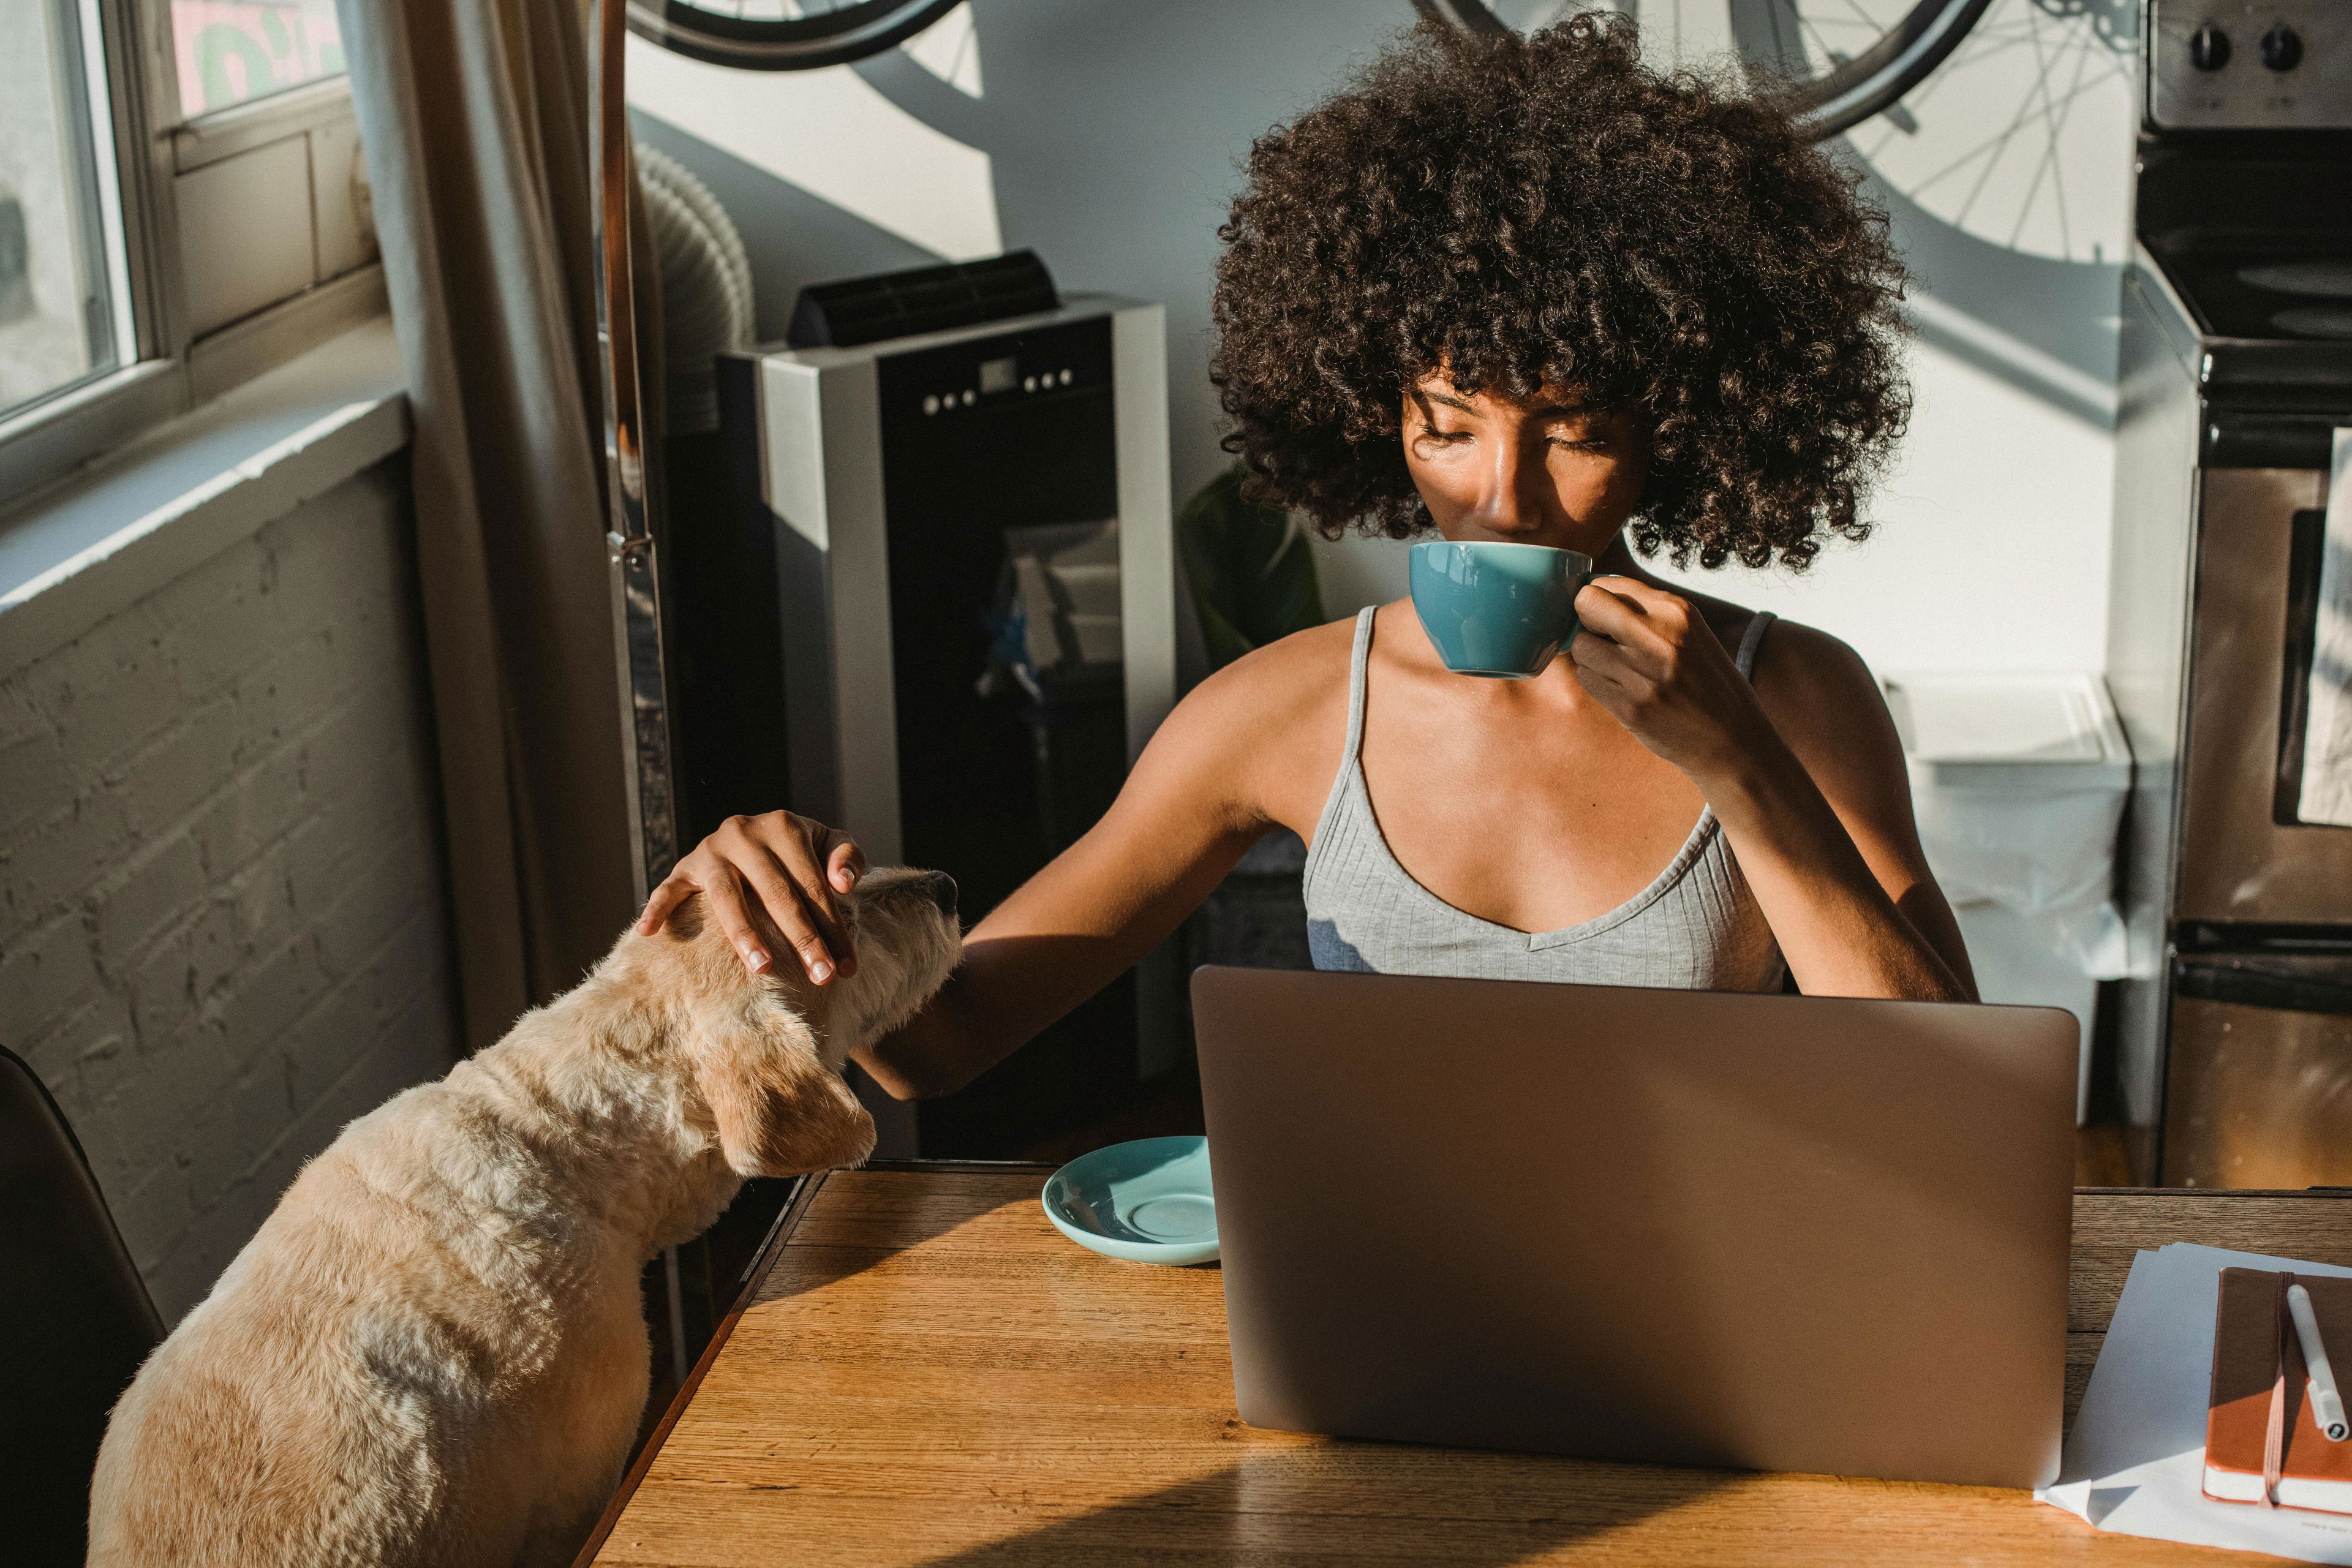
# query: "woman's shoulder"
x,y
1802,663
1825,702
1267,729
1269,695
1282,681
1805,660
1810,682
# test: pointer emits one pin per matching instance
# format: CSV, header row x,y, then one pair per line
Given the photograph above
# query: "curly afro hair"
x,y
1525,211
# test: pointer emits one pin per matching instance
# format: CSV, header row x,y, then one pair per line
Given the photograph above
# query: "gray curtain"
x,y
476,119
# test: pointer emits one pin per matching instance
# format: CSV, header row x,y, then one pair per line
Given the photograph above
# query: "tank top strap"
x,y
1745,659
1358,662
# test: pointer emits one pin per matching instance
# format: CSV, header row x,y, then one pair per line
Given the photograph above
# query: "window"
x,y
60,257
228,51
183,207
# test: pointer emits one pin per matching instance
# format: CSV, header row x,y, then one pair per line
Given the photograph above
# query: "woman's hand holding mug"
x,y
1649,658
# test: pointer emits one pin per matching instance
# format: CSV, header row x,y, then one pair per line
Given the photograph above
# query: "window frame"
x,y
167,367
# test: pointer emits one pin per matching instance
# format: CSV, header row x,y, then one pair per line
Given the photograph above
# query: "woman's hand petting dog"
x,y
771,873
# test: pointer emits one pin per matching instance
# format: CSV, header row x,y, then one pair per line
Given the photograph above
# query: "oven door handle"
x,y
2261,988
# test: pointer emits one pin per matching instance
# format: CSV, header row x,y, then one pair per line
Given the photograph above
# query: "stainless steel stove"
x,y
2234,1044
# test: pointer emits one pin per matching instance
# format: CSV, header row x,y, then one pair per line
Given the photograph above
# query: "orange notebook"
x,y
2260,1397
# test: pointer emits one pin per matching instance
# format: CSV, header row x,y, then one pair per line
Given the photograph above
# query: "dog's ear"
x,y
781,1110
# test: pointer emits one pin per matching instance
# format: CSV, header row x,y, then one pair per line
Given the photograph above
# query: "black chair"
x,y
75,1323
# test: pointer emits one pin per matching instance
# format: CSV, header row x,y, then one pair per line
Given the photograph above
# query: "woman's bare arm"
x,y
1830,713
1238,755
1066,933
1252,747
1804,771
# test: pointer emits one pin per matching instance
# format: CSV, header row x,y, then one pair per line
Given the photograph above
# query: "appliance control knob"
x,y
2281,47
2209,47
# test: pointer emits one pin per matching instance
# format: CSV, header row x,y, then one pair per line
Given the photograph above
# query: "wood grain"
x,y
2111,1228
927,1372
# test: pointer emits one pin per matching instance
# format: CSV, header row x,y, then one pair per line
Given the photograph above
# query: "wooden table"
x,y
924,1371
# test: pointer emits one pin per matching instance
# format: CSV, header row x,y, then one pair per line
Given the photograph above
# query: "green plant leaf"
x,y
1250,570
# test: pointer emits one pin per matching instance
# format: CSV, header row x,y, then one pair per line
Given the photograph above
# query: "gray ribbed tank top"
x,y
1697,927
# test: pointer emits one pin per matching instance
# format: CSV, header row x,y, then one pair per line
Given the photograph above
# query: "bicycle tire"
x,y
795,44
1872,82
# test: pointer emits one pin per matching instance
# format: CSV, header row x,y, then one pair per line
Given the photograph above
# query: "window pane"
x,y
233,50
57,317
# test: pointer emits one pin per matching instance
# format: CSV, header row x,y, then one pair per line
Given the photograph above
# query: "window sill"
x,y
241,127
75,554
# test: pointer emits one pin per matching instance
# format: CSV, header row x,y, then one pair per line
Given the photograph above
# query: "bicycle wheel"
x,y
1829,84
781,34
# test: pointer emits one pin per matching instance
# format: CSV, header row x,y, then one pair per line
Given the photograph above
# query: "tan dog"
x,y
433,1352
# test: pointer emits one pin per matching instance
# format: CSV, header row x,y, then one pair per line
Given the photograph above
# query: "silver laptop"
x,y
1774,1232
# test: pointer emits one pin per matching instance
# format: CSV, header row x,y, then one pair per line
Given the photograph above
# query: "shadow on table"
x,y
846,1233
1351,1501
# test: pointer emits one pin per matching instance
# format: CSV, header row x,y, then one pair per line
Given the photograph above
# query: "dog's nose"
x,y
942,889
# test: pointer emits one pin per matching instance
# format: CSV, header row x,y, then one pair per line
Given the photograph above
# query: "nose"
x,y
1513,489
942,889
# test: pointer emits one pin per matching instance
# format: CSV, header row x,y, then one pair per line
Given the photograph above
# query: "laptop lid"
x,y
1775,1232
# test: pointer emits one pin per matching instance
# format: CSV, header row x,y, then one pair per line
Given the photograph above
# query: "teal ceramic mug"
x,y
1498,610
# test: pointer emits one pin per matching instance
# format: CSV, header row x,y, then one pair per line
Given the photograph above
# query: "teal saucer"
x,y
1147,1201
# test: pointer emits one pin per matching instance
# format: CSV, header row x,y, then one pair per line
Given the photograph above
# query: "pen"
x,y
2327,1405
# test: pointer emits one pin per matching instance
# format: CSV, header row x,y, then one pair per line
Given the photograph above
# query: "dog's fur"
x,y
433,1352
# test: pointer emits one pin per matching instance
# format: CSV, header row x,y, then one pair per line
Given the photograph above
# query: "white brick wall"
x,y
222,928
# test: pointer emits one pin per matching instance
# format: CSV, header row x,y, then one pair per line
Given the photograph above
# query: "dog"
x,y
433,1352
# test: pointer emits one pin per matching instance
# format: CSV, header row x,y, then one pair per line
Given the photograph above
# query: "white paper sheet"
x,y
2135,1461
2327,793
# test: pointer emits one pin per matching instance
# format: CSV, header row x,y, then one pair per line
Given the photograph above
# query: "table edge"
x,y
795,1206
787,1221
2213,1192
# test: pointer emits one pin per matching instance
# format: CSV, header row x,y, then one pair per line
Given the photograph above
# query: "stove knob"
x,y
2209,47
2282,48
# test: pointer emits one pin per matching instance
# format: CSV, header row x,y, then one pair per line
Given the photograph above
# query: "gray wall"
x,y
222,926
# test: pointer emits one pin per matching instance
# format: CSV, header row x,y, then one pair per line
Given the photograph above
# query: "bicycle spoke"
x,y
1867,20
1994,141
2056,121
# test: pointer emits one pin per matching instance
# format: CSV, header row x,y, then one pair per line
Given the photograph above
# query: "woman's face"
x,y
1546,471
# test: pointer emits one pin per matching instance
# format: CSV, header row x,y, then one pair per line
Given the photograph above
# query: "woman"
x,y
1522,290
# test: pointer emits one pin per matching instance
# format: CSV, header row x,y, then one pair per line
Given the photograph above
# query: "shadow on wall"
x,y
794,239
1115,133
2047,328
